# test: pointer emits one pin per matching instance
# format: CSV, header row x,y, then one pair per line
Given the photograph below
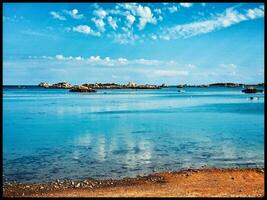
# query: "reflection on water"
x,y
52,134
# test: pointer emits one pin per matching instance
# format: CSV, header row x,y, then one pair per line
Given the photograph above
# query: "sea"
x,y
51,134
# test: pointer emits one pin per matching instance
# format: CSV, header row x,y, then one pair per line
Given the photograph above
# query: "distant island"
x,y
92,87
229,85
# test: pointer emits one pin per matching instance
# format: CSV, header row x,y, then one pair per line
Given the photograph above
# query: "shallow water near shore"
x,y
53,134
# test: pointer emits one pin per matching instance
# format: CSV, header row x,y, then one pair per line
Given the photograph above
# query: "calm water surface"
x,y
53,134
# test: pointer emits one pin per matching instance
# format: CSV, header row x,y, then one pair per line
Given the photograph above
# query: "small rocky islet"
x,y
81,89
251,90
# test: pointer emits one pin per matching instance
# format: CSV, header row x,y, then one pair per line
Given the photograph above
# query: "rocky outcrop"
x,y
82,88
44,84
144,87
231,85
251,90
62,85
130,85
103,86
181,86
260,84
163,85
185,85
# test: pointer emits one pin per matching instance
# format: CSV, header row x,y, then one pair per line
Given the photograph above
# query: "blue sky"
x,y
153,43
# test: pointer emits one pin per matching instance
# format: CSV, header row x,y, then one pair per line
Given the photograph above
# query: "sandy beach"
x,y
187,183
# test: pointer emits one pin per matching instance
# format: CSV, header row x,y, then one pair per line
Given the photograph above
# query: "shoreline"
x,y
207,182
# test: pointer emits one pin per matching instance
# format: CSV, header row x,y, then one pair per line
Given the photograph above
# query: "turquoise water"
x,y
53,134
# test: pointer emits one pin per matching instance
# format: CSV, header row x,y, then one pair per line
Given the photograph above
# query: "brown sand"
x,y
189,183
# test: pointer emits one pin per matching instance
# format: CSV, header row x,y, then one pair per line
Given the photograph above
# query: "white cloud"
x,y
168,73
85,30
107,59
133,11
112,22
61,57
116,12
146,16
122,60
255,13
191,66
13,18
228,66
124,16
97,60
100,24
125,29
154,37
173,9
94,58
45,57
231,17
227,18
74,14
95,5
56,15
154,62
35,33
187,5
226,70
78,58
100,13
128,37
132,7
130,18
157,10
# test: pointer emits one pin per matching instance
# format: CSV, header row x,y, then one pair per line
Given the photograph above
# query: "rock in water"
x,y
64,85
251,90
82,89
44,84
